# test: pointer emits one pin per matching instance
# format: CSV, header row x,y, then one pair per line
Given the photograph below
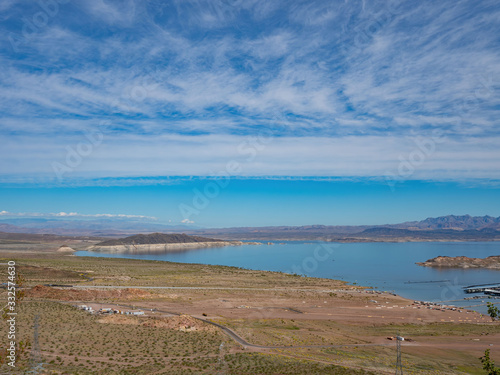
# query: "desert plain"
x,y
199,319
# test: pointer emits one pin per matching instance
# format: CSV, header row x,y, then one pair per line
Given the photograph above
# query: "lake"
x,y
384,266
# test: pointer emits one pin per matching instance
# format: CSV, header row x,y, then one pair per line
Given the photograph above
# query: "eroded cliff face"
x,y
463,262
147,248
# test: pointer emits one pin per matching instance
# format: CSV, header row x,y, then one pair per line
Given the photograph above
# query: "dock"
x,y
492,292
482,288
425,282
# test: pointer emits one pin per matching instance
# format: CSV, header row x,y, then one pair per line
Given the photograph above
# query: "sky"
x,y
273,112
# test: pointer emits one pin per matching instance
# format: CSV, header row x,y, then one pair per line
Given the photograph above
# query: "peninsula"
x,y
161,242
463,262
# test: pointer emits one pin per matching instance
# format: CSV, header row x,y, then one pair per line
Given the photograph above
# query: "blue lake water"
x,y
385,266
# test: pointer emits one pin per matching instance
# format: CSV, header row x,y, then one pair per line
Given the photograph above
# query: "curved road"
x,y
240,340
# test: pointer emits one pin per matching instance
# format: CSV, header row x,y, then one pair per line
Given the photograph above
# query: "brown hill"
x,y
156,238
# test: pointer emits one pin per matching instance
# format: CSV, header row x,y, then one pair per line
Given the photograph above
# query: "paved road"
x,y
245,343
233,335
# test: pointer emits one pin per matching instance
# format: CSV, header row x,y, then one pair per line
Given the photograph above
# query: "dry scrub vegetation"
x,y
69,269
75,342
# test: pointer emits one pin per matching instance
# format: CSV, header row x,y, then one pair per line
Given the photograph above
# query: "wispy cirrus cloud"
x,y
184,84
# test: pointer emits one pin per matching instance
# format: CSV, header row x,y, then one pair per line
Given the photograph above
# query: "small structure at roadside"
x,y
109,311
85,308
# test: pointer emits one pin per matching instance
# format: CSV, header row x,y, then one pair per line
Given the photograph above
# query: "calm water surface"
x,y
385,266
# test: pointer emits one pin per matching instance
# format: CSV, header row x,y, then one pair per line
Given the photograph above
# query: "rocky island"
x,y
161,242
463,262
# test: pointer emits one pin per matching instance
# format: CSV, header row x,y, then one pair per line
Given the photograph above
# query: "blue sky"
x,y
381,98
255,202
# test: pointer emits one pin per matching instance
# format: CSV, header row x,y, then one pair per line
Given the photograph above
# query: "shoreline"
x,y
265,310
376,288
351,284
169,247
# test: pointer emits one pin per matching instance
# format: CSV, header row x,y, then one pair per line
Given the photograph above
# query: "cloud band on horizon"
x,y
184,87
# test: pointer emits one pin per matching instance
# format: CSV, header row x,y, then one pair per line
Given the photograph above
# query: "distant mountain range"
x,y
396,234
30,237
464,222
95,227
451,227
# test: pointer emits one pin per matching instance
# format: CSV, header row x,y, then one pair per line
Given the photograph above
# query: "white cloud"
x,y
113,14
74,215
205,155
66,214
353,84
187,221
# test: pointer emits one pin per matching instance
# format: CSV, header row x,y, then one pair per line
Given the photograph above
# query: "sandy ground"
x,y
318,309
348,306
353,309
